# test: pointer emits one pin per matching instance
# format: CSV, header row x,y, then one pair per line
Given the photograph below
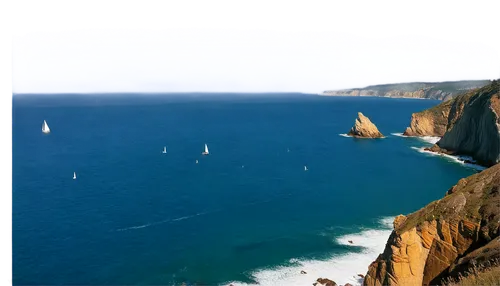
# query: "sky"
x,y
248,46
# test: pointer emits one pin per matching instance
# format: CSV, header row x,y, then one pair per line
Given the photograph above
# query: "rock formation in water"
x,y
324,282
428,90
364,128
444,238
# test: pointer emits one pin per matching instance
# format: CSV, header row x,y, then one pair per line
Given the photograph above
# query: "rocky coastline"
x,y
444,239
468,125
423,90
450,236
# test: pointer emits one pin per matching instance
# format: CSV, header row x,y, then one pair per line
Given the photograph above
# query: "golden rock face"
x,y
428,245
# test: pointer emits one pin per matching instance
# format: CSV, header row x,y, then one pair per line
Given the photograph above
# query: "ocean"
x,y
246,214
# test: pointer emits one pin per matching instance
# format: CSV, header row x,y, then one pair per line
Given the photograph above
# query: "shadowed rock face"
x,y
469,125
474,126
364,128
441,239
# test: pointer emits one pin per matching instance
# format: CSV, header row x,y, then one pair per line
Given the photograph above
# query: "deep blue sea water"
x,y
248,212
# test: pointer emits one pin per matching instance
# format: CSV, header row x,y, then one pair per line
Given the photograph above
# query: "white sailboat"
x,y
305,168
74,175
164,150
45,127
206,150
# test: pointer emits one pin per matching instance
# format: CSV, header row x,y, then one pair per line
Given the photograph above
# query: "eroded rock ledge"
x,y
430,122
364,128
441,239
469,125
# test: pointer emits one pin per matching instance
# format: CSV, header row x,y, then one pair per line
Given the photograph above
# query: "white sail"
x,y
45,127
74,175
305,168
206,148
164,150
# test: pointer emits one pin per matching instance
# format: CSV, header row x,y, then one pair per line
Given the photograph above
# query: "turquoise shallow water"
x,y
136,216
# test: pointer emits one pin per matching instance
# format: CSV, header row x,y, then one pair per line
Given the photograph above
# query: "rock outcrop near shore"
x,y
427,90
474,126
444,238
469,125
364,128
430,122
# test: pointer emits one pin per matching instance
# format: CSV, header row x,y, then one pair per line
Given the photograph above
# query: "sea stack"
x,y
364,128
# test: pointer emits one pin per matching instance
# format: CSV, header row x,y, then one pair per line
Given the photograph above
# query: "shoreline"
x,y
401,97
460,159
344,268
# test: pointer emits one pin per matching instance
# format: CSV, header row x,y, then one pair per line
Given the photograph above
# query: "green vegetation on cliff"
x,y
430,90
482,275
446,86
473,198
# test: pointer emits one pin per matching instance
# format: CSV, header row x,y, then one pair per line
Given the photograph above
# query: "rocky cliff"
x,y
444,238
364,128
468,124
474,126
430,122
428,90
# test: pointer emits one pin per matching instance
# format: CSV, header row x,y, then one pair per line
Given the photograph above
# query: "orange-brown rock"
x,y
437,241
430,122
468,125
325,282
474,125
364,128
399,220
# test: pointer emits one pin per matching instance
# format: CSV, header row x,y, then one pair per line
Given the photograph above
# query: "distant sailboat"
x,y
74,175
305,168
206,150
164,150
196,161
45,127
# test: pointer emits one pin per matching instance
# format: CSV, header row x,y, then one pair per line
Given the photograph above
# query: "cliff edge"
x,y
474,126
430,122
468,124
364,128
444,238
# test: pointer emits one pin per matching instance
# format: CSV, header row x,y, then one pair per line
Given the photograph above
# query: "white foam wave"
x,y
399,135
341,268
345,135
429,139
456,159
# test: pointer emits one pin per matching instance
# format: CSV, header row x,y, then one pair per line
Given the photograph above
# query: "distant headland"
x,y
426,90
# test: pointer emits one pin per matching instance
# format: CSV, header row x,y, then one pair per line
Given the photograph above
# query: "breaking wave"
x,y
344,268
